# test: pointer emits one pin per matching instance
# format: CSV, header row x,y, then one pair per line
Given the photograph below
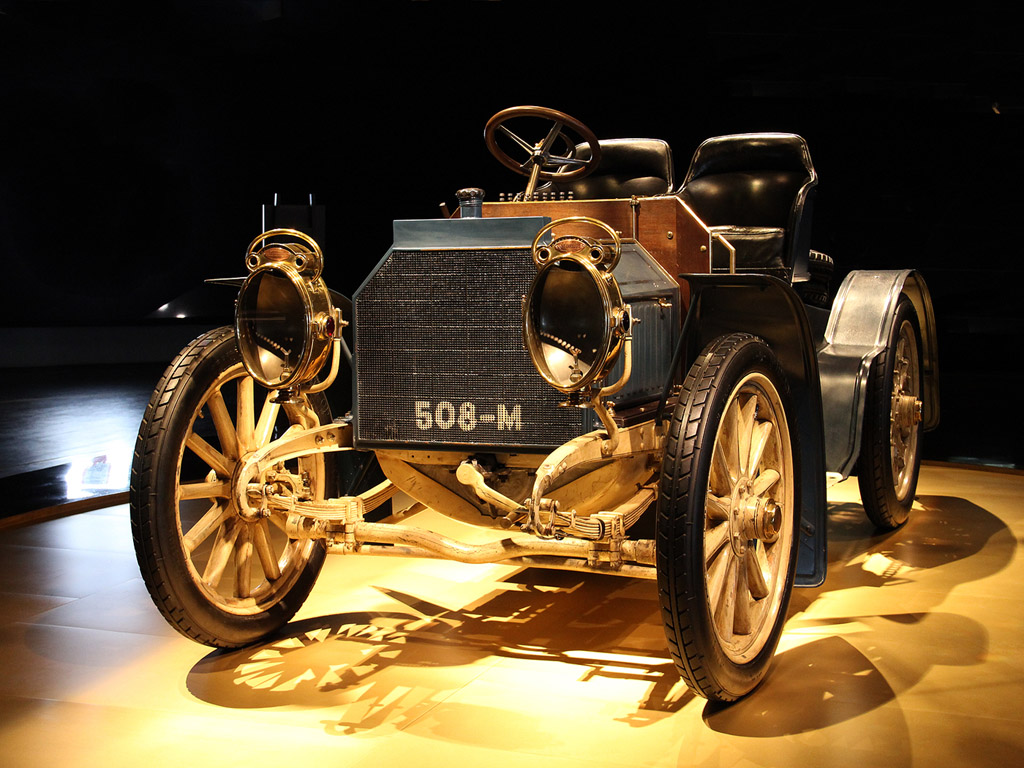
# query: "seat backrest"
x,y
762,180
641,167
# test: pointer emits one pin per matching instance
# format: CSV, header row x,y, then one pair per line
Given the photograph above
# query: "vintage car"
x,y
615,373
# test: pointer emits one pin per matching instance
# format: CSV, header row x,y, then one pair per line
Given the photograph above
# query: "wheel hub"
x,y
906,411
752,518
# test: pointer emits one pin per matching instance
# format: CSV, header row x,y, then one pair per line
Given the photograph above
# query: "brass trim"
x,y
604,262
301,268
612,338
730,248
303,260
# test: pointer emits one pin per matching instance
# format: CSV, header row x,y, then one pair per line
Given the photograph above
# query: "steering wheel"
x,y
541,162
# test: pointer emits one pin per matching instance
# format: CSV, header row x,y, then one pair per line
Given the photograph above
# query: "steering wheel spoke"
x,y
541,162
553,134
564,161
521,142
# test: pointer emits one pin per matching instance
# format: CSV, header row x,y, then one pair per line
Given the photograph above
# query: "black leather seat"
x,y
756,190
641,167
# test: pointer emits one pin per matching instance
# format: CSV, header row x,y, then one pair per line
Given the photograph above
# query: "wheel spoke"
x,y
714,540
223,547
243,561
762,432
758,571
717,507
741,611
210,455
764,482
744,434
265,550
215,489
223,424
246,415
206,525
717,573
725,607
725,475
268,417
734,419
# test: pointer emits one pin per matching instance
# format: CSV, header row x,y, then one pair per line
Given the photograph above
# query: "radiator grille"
x,y
440,358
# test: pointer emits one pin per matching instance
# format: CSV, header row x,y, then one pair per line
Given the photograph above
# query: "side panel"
x,y
654,299
770,309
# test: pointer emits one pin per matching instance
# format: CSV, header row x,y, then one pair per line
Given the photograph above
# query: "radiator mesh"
x,y
440,357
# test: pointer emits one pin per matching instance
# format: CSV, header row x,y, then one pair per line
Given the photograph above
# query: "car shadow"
x,y
389,667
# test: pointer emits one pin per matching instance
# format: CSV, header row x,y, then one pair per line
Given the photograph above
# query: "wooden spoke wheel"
x,y
890,453
727,518
218,575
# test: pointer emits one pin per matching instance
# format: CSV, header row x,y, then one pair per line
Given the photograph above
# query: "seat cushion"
x,y
758,249
641,167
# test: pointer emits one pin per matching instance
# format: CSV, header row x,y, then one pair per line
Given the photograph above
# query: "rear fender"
x,y
858,328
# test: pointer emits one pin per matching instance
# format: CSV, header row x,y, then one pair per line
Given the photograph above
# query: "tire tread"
x,y
682,442
143,536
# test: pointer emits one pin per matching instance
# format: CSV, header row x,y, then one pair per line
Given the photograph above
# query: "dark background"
x,y
138,142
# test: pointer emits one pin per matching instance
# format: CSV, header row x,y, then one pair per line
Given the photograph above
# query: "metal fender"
x,y
769,308
858,327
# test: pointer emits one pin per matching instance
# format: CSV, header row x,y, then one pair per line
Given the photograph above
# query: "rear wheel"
x,y
815,290
217,576
890,453
726,523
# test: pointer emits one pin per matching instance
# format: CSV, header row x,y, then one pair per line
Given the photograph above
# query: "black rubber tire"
x,y
714,666
815,290
821,266
168,570
887,492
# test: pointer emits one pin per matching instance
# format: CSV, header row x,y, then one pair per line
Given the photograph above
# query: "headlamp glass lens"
x,y
272,326
568,316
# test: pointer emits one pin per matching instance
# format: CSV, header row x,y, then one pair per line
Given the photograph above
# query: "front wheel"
x,y
727,518
218,577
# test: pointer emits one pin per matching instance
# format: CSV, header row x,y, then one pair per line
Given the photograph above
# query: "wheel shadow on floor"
x,y
388,668
941,531
872,632
948,542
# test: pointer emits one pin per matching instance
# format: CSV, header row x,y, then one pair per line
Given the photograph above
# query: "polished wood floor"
x,y
909,655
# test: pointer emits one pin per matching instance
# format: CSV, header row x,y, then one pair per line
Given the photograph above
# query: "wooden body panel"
x,y
664,226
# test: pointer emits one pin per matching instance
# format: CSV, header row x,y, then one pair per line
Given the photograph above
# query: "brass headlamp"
x,y
574,318
284,320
